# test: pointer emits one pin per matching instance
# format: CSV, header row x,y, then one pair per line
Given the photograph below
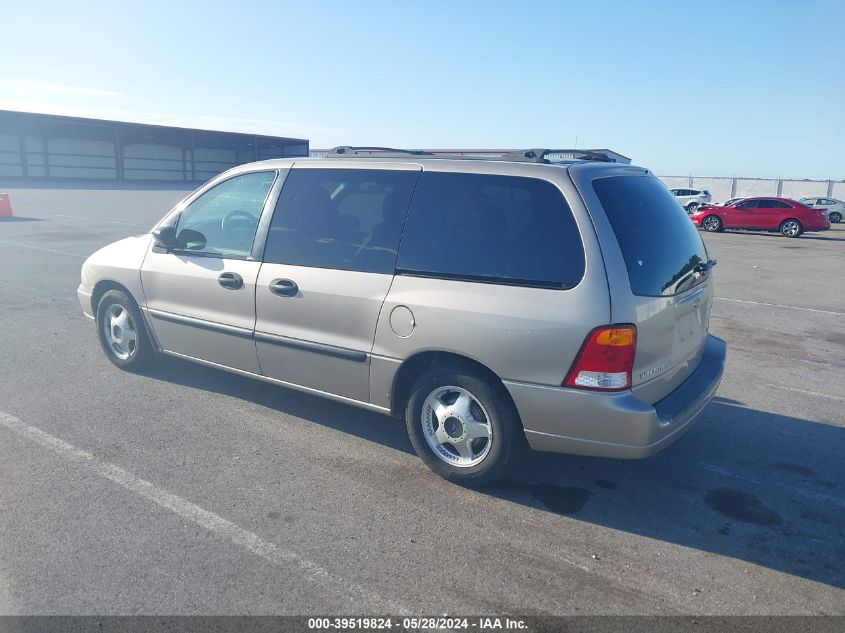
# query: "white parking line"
x,y
270,552
778,305
41,248
807,392
803,492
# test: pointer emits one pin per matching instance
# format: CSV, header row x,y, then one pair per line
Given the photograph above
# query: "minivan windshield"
x,y
660,244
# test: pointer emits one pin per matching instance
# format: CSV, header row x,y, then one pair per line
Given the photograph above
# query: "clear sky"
x,y
689,87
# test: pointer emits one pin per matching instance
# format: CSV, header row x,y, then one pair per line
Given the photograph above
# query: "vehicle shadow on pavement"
x,y
778,236
349,419
751,485
756,486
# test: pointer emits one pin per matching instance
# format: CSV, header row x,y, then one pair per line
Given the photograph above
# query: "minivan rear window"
x,y
493,229
660,244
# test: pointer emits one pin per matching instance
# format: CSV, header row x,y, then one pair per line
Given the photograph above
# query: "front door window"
x,y
223,220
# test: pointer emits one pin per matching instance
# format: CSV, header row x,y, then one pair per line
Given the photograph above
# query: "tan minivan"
x,y
489,302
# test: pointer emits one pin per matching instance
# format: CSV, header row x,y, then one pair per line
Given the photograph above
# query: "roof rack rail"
x,y
539,155
368,152
535,155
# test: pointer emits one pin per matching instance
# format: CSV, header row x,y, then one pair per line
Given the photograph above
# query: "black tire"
x,y
788,228
506,438
141,353
835,217
711,226
692,207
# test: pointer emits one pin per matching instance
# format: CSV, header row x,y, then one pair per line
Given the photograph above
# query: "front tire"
x,y
791,228
121,331
464,428
835,217
712,224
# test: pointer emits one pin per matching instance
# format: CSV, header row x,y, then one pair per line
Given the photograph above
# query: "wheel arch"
x,y
414,366
102,287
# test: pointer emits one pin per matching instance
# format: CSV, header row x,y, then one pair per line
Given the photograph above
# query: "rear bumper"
x,y
617,425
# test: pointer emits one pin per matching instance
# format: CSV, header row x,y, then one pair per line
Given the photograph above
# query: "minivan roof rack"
x,y
539,155
348,151
535,155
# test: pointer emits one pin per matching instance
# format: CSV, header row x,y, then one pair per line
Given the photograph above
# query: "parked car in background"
x,y
319,275
835,208
691,199
790,217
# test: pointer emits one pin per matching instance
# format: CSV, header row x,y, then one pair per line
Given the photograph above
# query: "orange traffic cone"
x,y
5,206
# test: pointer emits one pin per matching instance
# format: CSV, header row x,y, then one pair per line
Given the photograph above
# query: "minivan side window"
x,y
226,215
489,228
343,219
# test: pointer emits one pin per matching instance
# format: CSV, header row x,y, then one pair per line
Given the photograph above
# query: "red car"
x,y
789,217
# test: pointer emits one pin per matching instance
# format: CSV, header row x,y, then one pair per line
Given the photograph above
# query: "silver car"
x,y
691,199
835,208
492,304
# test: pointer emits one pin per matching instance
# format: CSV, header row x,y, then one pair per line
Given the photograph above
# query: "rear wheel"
x,y
692,207
712,223
835,217
791,228
121,331
461,426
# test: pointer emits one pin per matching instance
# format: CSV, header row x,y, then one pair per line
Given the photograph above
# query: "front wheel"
x,y
791,228
712,223
835,217
463,428
121,331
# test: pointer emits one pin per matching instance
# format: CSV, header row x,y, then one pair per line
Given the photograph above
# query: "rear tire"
x,y
464,428
692,208
835,217
712,224
122,333
791,228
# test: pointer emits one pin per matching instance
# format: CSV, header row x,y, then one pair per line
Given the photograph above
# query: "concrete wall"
x,y
723,188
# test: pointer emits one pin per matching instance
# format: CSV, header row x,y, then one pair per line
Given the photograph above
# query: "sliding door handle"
x,y
284,287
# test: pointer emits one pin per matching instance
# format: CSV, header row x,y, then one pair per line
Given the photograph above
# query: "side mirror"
x,y
165,236
191,240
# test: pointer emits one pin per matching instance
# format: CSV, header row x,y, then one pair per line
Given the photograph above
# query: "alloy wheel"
x,y
456,426
120,332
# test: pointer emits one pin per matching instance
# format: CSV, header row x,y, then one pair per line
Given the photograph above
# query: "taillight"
x,y
606,359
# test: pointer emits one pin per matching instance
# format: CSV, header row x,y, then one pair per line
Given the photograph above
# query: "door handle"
x,y
284,287
232,281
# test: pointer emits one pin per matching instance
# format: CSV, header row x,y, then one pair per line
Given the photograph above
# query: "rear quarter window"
x,y
489,228
659,243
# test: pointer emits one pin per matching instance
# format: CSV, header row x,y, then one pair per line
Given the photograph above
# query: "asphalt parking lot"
x,y
187,490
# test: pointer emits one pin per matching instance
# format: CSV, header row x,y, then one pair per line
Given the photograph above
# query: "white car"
x,y
691,199
835,208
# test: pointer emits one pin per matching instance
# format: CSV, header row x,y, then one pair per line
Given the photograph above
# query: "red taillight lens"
x,y
606,360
